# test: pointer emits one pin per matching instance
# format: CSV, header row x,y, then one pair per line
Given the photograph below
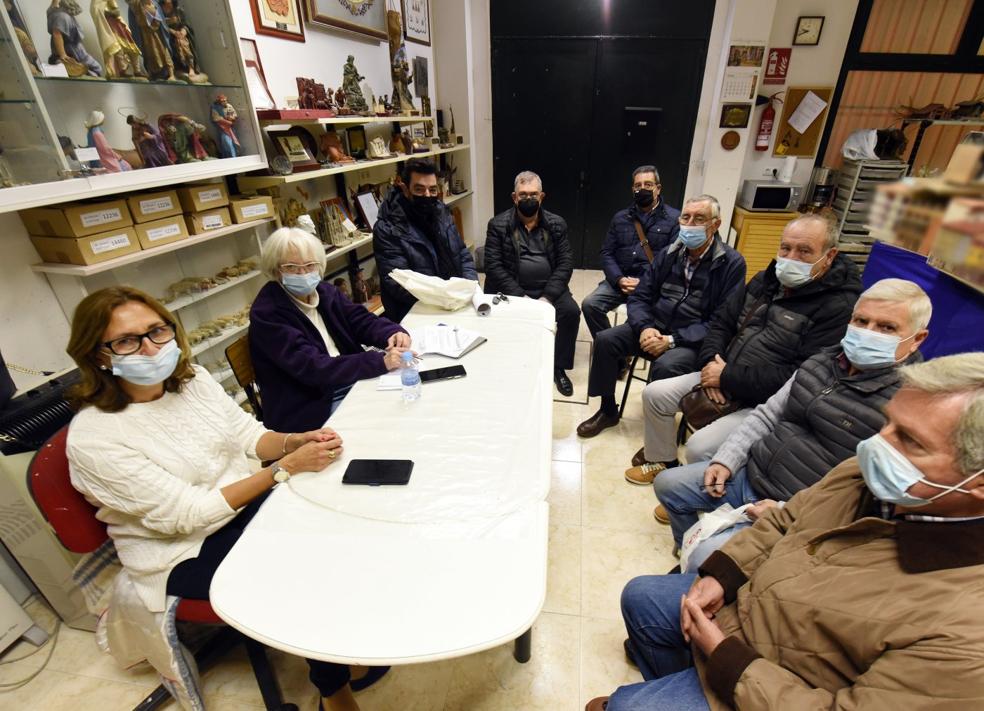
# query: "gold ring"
x,y
331,454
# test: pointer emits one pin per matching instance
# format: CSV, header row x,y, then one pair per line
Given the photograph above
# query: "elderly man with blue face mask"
x,y
864,592
832,402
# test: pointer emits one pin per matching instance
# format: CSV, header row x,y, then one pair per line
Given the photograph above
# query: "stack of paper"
x,y
444,340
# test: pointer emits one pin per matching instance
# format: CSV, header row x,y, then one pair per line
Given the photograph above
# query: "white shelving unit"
x,y
345,121
226,335
190,299
452,199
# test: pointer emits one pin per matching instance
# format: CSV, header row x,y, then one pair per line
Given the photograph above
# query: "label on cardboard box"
x,y
160,204
100,217
213,222
108,244
166,231
255,210
209,195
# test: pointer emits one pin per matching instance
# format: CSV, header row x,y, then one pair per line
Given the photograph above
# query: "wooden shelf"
x,y
248,183
452,199
90,269
355,244
212,342
183,301
346,120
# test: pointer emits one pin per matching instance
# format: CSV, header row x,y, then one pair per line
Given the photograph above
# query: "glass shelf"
x,y
132,82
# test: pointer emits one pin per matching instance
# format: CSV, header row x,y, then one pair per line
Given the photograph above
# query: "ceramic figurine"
x,y
400,70
111,160
66,40
206,142
360,294
183,43
152,37
396,143
350,82
121,55
331,146
148,142
224,116
179,137
23,38
341,103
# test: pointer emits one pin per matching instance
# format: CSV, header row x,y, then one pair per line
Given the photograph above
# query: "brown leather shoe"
x,y
659,513
644,474
597,704
639,458
594,425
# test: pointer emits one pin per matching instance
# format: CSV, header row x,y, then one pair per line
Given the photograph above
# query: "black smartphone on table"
x,y
378,472
449,373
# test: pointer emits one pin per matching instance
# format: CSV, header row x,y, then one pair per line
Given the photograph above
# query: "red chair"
x,y
73,521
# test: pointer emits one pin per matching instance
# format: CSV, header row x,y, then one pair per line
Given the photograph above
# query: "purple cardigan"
x,y
297,377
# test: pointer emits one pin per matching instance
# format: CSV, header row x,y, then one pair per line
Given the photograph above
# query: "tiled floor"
x,y
601,534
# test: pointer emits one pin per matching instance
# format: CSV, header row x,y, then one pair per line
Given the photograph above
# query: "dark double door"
x,y
583,112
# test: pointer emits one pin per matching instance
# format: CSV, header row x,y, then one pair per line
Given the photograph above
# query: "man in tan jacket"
x,y
864,592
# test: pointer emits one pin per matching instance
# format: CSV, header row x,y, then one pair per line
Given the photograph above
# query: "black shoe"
x,y
630,653
623,368
596,423
372,676
564,385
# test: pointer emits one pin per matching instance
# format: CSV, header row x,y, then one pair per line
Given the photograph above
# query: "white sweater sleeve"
x,y
245,428
122,478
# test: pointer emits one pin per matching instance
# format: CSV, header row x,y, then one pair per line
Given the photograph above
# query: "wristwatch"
x,y
672,342
280,475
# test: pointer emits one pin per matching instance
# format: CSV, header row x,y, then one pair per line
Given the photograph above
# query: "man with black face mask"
x,y
416,231
527,254
635,235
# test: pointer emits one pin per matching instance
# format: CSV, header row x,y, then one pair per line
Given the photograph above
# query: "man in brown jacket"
x,y
864,592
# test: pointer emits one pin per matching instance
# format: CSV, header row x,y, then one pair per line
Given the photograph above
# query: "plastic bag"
x,y
860,145
720,519
450,294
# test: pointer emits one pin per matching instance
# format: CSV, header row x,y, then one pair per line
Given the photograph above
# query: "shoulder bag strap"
x,y
643,241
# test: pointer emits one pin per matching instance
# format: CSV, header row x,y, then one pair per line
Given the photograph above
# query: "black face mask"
x,y
424,208
643,197
528,206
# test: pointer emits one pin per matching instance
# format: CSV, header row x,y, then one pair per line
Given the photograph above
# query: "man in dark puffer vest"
x,y
798,305
813,423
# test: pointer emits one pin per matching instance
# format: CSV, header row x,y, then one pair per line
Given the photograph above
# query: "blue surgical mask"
x,y
867,349
147,370
301,285
793,274
889,475
692,236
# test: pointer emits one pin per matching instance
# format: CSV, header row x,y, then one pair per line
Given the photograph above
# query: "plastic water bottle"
x,y
409,377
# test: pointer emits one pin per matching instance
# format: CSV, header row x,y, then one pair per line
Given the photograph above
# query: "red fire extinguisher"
x,y
765,127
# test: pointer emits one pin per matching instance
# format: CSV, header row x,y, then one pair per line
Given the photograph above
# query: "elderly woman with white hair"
x,y
306,338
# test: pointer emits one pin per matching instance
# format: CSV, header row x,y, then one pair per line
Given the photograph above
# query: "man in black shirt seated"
x,y
415,231
527,254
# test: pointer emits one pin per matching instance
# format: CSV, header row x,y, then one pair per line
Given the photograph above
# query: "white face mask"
x,y
792,274
147,370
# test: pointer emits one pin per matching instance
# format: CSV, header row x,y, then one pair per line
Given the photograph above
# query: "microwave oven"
x,y
769,196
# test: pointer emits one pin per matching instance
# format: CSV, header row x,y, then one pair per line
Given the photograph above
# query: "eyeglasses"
x,y
299,268
687,218
128,345
500,297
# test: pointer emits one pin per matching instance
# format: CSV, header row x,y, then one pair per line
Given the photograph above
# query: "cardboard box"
x,y
197,198
87,250
154,234
248,209
966,165
77,219
201,222
154,206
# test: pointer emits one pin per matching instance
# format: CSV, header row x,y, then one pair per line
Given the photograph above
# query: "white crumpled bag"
x,y
860,145
450,294
720,519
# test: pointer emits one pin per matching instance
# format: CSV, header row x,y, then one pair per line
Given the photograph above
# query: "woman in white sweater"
x,y
161,450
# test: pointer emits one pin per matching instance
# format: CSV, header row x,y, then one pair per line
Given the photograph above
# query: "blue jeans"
x,y
681,491
651,610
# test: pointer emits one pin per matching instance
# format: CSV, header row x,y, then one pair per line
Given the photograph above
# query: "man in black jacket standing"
x,y
635,236
670,310
415,231
527,254
800,303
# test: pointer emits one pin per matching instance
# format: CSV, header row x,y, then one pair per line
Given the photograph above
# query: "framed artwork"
x,y
259,92
735,115
297,145
368,205
278,18
365,17
416,21
808,29
357,144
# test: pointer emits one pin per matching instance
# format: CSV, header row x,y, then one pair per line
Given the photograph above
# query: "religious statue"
x,y
152,37
350,82
23,38
224,117
121,55
111,160
313,96
396,143
400,70
181,139
183,43
331,146
341,103
148,142
205,140
66,40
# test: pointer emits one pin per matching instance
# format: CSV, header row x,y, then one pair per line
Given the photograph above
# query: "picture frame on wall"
x,y
278,18
735,115
416,21
259,90
359,16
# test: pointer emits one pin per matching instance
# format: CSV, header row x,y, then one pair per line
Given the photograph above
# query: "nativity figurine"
x,y
110,160
151,34
148,142
223,116
350,82
121,55
66,40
